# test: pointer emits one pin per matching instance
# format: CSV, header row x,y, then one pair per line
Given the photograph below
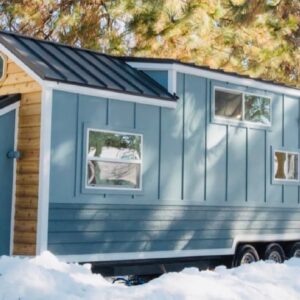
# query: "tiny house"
x,y
143,162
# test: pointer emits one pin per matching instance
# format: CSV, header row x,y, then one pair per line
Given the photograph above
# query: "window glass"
x,y
239,106
257,109
286,165
113,160
228,105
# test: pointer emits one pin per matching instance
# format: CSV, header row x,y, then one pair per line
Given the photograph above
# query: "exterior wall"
x,y
17,81
204,184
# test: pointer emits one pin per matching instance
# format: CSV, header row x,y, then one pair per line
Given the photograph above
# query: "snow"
x,y
45,277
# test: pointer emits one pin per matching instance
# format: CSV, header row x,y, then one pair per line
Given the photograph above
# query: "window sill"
x,y
243,124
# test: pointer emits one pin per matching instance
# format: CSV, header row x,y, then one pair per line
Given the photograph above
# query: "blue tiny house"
x,y
151,160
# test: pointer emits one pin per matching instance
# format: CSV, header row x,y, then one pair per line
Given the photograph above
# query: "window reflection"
x,y
113,160
285,165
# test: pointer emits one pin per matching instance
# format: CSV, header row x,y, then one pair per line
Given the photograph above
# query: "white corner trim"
x,y
9,108
108,94
172,81
13,202
44,172
20,63
101,257
170,68
215,75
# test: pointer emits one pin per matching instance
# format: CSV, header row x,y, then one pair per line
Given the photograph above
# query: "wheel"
x,y
274,252
245,254
295,250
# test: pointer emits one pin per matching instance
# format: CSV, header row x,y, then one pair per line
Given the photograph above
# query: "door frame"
x,y
3,111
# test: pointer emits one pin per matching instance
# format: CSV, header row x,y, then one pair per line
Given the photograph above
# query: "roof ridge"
x,y
56,43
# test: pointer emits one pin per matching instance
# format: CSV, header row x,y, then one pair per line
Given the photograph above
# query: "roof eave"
x,y
216,75
106,93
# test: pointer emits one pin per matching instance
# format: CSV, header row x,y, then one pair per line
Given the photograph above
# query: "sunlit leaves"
x,y
257,37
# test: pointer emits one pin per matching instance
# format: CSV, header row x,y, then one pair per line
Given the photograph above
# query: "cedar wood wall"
x,y
27,177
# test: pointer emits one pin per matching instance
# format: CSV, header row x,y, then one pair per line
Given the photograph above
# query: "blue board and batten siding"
x,y
203,183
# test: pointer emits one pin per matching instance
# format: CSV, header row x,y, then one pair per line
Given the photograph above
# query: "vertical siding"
x,y
171,148
194,138
290,141
237,159
256,167
275,140
216,163
151,150
17,81
204,183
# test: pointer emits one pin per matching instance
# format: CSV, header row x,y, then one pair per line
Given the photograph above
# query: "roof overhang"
x,y
176,67
73,88
108,94
8,103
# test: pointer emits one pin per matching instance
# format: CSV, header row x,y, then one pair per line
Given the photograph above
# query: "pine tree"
x,y
251,37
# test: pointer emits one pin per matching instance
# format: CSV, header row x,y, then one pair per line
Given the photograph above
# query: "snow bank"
x,y
46,278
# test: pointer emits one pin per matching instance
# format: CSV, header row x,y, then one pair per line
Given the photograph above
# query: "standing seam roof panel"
x,y
91,77
62,63
139,75
31,47
108,71
138,81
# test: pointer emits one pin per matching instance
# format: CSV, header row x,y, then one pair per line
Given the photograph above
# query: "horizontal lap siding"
x,y
81,229
27,176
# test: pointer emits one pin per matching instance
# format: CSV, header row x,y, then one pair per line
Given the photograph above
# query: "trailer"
x,y
141,165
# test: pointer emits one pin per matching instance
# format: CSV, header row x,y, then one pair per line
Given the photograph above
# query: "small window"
x,y
2,67
228,105
242,107
286,165
114,160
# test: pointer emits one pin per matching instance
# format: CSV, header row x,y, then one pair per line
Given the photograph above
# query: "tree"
x,y
89,24
256,38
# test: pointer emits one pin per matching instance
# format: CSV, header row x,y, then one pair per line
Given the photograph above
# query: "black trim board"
x,y
9,99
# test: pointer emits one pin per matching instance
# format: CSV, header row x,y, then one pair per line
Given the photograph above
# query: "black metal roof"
x,y
9,99
72,65
206,68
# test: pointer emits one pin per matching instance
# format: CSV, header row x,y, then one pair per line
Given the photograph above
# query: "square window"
x,y
286,165
258,109
114,160
228,105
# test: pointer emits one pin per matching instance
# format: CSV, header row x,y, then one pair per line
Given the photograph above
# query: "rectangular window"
x,y
286,165
114,160
242,107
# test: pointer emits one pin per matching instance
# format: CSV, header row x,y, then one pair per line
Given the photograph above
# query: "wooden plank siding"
x,y
27,176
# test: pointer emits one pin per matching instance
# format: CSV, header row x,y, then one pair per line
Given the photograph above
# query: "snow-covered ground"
x,y
45,277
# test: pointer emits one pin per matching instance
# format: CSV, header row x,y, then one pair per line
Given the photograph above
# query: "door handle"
x,y
13,154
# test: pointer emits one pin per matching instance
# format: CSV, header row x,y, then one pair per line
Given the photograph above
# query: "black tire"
x,y
295,250
245,254
275,253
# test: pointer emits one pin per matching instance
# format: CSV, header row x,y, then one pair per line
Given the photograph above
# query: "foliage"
x,y
251,37
99,139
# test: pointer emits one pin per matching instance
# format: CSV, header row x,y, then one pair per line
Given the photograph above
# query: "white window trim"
x,y
4,70
285,180
242,122
113,188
